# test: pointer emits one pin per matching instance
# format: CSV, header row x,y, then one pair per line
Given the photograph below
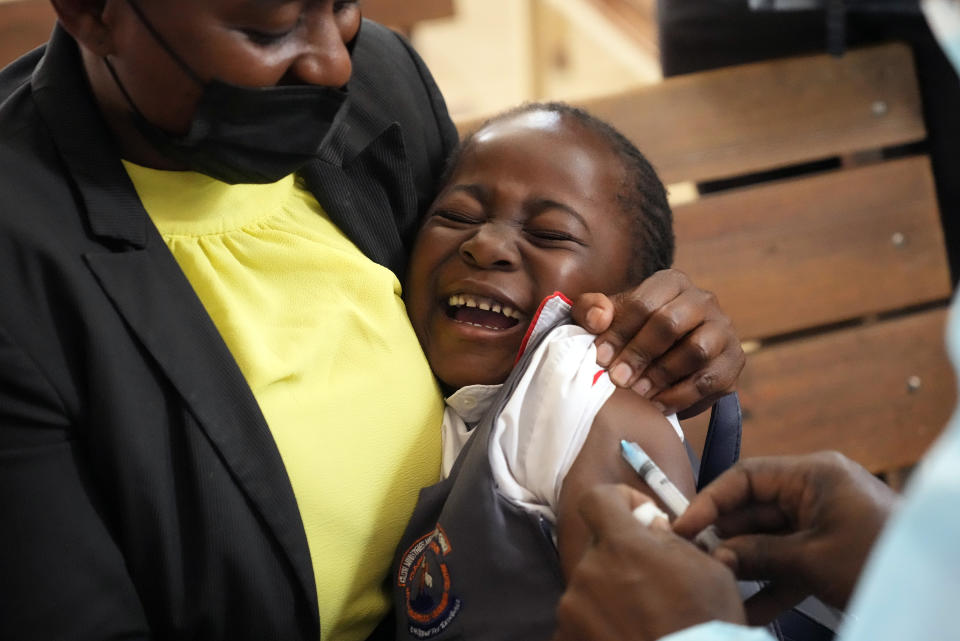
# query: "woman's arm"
x,y
63,574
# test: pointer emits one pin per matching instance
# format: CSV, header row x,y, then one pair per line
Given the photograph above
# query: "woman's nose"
x,y
491,247
325,59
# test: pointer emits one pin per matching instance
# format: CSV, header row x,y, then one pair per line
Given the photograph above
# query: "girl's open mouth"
x,y
481,311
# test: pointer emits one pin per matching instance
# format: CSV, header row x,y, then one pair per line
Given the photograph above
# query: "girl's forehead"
x,y
563,163
539,140
537,121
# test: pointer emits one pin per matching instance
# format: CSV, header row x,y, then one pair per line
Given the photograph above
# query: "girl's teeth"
x,y
459,300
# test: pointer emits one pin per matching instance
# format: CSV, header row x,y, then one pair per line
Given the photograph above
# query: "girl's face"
x,y
251,43
530,209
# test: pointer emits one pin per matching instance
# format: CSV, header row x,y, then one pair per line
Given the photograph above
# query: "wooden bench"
x,y
25,24
837,280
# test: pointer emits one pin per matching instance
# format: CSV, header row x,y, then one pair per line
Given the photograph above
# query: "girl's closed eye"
x,y
553,236
557,226
457,217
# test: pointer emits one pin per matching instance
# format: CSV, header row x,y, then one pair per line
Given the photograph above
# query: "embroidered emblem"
x,y
424,580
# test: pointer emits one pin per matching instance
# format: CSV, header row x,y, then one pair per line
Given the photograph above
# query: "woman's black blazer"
x,y
141,492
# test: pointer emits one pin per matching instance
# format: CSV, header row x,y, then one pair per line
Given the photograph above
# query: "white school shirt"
x,y
546,420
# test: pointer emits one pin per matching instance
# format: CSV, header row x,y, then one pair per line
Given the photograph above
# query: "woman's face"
x,y
252,43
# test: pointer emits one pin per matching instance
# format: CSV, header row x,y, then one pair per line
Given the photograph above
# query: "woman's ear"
x,y
83,19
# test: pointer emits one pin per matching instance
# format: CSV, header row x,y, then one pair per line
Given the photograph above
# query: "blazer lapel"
x,y
149,290
155,299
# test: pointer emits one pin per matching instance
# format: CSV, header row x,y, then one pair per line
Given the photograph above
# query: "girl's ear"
x,y
83,19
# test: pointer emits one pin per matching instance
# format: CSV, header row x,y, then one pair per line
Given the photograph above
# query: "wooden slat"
x,y
805,252
760,116
24,24
849,391
406,13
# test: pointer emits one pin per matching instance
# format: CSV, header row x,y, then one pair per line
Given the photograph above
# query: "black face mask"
x,y
245,134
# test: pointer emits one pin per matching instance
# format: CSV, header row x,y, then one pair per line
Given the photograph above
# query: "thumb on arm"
x,y
765,557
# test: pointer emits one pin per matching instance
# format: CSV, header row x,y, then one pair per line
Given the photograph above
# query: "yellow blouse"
x,y
321,335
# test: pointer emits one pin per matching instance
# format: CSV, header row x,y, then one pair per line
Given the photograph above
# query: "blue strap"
x,y
721,449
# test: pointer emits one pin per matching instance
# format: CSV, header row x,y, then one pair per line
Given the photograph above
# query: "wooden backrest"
x,y
838,278
794,254
756,117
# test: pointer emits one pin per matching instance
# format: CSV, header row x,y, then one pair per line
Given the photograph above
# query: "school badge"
x,y
424,579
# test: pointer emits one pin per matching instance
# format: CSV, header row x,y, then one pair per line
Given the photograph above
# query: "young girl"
x,y
541,199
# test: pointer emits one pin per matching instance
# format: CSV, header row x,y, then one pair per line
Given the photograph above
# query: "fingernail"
x,y
621,374
660,406
594,316
642,386
604,353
